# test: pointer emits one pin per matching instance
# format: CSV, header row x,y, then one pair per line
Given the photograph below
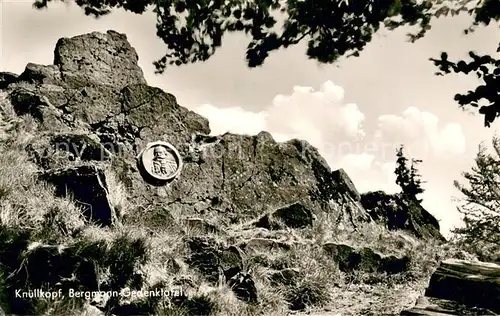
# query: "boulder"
x,y
104,59
86,184
212,259
293,216
395,212
365,259
472,283
394,264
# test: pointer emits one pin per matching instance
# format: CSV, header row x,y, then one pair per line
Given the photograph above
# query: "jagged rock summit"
x,y
95,113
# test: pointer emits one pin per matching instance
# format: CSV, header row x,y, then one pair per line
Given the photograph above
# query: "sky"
x,y
356,111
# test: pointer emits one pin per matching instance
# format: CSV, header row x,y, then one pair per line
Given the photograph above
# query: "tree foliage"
x,y
193,30
487,95
408,179
401,171
481,201
414,187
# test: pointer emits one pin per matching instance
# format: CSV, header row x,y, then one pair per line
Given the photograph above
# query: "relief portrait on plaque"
x,y
161,160
164,163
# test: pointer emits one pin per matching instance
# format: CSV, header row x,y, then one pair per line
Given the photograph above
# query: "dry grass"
x,y
26,203
117,194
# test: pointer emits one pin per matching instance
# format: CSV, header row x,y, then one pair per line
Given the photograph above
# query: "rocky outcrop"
x,y
82,60
240,201
461,287
89,59
94,106
396,212
365,259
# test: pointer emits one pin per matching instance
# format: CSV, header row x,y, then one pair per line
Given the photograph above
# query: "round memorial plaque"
x,y
161,160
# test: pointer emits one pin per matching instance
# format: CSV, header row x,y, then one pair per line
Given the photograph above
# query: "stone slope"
x,y
95,88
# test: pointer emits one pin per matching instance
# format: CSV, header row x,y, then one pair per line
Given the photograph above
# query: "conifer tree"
x,y
481,203
414,186
401,171
408,179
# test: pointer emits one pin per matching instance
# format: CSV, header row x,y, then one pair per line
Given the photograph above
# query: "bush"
x,y
481,202
308,293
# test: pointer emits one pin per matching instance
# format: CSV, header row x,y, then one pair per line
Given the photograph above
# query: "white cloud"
x,y
450,141
379,176
319,115
421,133
234,119
362,161
389,175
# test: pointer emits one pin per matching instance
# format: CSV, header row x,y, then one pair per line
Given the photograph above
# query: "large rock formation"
x,y
96,89
95,113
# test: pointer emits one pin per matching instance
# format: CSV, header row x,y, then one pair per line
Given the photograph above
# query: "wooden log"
x,y
473,283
